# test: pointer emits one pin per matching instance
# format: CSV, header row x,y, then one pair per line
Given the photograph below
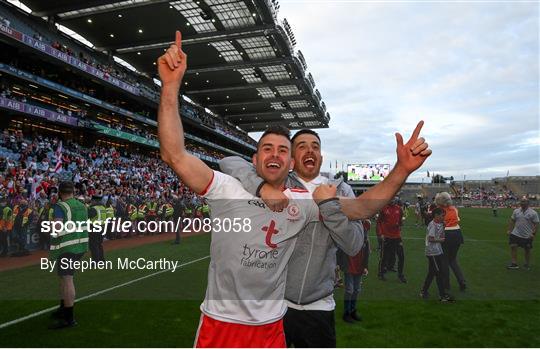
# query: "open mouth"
x,y
273,165
309,162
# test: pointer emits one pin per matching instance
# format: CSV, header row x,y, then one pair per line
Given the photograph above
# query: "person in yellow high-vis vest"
x,y
5,226
45,213
152,213
133,214
166,211
97,213
67,246
188,210
22,215
205,209
141,213
110,213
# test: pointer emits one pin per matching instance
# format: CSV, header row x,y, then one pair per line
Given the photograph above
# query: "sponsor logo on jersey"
x,y
255,257
257,203
270,230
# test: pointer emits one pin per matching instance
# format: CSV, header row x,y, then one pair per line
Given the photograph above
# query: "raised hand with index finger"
x,y
411,155
173,63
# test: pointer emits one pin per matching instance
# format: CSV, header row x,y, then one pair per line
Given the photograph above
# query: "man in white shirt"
x,y
521,232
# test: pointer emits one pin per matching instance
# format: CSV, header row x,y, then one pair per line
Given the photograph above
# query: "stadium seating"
x,y
72,48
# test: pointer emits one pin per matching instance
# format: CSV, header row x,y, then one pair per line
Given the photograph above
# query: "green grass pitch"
x,y
501,308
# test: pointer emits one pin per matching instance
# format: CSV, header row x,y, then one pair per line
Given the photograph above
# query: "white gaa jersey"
x,y
247,272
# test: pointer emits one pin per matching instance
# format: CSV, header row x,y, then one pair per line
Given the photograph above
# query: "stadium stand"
x,y
429,191
521,186
504,192
76,111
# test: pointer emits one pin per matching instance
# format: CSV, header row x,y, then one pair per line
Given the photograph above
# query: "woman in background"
x,y
453,237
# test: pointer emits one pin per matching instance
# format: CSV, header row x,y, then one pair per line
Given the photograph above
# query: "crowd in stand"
x,y
486,195
111,69
216,124
79,85
132,129
28,180
4,21
121,73
65,109
35,98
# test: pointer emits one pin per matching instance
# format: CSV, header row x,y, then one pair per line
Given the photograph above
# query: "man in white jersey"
x,y
251,245
521,232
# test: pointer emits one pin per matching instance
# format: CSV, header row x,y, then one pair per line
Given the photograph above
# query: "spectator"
x,y
437,262
453,237
390,221
522,231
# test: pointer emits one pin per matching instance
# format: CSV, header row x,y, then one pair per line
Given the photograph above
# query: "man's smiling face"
x,y
307,156
273,159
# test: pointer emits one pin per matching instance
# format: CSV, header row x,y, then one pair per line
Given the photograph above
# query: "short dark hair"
x,y
305,131
66,188
276,130
437,211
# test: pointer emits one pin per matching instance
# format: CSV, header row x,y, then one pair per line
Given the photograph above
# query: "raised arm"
x,y
410,156
192,170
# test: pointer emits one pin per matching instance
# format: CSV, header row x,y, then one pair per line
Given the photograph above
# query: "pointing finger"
x,y
416,132
178,39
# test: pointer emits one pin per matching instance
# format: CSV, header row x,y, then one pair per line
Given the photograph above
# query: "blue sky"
x,y
468,69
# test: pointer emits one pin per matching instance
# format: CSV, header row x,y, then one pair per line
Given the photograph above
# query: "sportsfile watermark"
x,y
119,225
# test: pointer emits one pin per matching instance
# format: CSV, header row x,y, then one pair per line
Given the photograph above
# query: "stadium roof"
x,y
242,62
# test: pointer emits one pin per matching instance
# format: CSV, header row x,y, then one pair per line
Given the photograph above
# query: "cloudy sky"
x,y
468,69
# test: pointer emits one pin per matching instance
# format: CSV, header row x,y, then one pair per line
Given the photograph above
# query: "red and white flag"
x,y
58,154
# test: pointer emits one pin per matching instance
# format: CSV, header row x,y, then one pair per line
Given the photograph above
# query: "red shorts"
x,y
213,333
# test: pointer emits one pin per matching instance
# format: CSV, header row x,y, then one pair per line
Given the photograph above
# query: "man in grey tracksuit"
x,y
309,321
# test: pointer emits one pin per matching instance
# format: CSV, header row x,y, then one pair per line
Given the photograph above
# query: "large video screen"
x,y
367,172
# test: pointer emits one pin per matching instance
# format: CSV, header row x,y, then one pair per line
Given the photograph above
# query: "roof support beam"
x,y
194,39
88,8
239,65
263,100
73,6
261,126
297,82
276,113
